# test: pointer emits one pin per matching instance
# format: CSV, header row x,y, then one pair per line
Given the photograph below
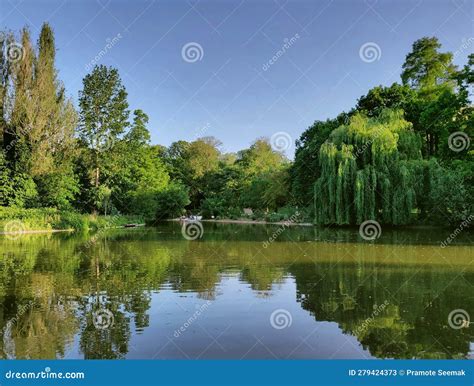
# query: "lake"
x,y
240,291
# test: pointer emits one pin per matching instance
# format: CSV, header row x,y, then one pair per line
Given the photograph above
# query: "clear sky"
x,y
232,89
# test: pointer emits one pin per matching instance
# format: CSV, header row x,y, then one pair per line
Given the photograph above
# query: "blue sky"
x,y
232,91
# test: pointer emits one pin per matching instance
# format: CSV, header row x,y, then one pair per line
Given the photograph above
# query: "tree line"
x,y
401,155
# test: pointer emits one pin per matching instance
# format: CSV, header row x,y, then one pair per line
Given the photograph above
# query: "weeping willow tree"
x,y
367,171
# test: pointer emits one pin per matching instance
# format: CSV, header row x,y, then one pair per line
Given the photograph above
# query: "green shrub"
x,y
51,218
214,206
72,220
172,201
234,213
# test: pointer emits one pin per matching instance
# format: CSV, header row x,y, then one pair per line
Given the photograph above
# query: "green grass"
x,y
51,218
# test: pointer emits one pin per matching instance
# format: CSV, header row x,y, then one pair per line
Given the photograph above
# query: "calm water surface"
x,y
312,293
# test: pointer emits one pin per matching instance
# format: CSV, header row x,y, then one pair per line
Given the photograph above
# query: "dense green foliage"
x,y
221,185
37,124
172,201
393,158
366,171
390,158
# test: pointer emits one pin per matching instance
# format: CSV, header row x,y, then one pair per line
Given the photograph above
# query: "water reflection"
x,y
388,299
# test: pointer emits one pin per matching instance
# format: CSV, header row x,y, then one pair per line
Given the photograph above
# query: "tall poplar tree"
x,y
17,62
21,122
103,118
54,119
426,67
37,124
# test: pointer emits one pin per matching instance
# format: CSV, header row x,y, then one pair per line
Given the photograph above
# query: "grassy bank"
x,y
16,219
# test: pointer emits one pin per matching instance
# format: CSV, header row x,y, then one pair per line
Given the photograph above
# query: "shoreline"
x,y
39,231
307,224
33,231
217,221
252,222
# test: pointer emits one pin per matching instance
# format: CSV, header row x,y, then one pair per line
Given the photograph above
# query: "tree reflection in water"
x,y
51,286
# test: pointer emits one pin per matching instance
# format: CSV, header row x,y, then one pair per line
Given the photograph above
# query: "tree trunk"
x,y
96,183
